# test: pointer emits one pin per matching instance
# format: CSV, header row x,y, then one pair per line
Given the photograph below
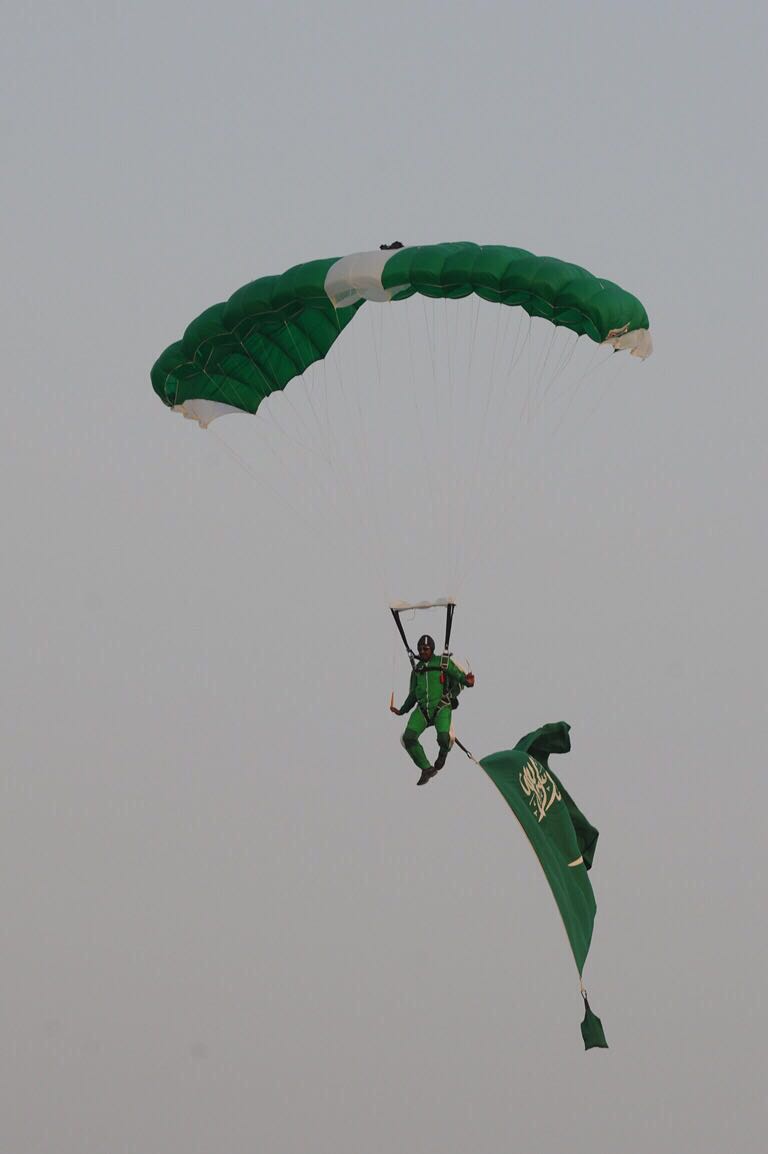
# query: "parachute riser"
x,y
449,611
411,655
448,626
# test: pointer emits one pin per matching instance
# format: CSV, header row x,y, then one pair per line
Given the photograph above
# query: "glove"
x,y
470,679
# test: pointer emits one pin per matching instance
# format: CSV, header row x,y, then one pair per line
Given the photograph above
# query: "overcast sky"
x,y
229,920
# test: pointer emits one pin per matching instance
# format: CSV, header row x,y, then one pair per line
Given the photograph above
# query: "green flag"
x,y
562,838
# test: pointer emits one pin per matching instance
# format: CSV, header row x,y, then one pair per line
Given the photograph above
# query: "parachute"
x,y
451,393
237,353
243,351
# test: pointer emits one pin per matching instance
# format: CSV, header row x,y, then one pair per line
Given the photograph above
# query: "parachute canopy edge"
x,y
638,342
203,411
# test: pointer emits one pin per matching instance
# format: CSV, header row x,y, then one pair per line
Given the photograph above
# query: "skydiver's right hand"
x,y
397,712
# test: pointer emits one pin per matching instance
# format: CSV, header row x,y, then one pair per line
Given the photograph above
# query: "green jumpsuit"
x,y
431,690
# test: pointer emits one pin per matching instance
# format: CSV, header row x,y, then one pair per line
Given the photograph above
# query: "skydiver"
x,y
435,684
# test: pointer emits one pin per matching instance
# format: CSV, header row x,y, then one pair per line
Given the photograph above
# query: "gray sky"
x,y
229,920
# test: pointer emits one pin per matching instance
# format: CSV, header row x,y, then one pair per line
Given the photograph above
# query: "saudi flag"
x,y
562,838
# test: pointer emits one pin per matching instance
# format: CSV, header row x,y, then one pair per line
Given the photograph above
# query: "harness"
x,y
449,697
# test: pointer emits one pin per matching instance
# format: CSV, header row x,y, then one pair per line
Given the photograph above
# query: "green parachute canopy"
x,y
236,353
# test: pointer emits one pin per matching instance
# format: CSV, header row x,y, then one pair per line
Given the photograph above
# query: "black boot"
x,y
426,775
439,761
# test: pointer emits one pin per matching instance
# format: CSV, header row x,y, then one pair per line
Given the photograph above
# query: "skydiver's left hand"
x,y
470,679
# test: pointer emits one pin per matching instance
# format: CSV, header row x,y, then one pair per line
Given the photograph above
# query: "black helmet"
x,y
425,639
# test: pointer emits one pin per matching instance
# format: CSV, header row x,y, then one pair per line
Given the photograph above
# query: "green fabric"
x,y
417,723
592,1029
554,738
426,687
545,287
267,333
561,836
274,328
